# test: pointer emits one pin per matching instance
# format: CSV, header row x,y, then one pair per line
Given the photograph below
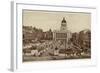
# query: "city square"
x,y
59,44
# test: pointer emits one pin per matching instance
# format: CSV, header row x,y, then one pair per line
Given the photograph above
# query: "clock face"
x,y
63,28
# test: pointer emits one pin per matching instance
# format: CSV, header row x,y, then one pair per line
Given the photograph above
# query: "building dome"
x,y
63,21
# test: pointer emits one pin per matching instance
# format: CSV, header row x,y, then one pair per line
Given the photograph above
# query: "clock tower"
x,y
63,25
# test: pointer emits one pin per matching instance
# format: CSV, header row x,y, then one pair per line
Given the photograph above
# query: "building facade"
x,y
63,35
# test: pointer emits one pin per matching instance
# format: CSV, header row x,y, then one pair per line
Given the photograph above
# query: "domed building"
x,y
63,35
63,25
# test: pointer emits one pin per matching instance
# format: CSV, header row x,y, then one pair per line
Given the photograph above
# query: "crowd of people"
x,y
54,48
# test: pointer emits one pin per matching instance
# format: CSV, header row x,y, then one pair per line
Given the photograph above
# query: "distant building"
x,y
63,34
48,35
85,39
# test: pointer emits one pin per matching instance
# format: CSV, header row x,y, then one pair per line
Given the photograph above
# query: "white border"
x,y
17,38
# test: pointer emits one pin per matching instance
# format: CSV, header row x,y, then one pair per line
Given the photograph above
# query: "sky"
x,y
46,20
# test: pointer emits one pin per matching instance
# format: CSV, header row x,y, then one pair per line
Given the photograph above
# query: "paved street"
x,y
32,58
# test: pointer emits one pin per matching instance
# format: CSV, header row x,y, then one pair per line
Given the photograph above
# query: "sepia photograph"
x,y
55,35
